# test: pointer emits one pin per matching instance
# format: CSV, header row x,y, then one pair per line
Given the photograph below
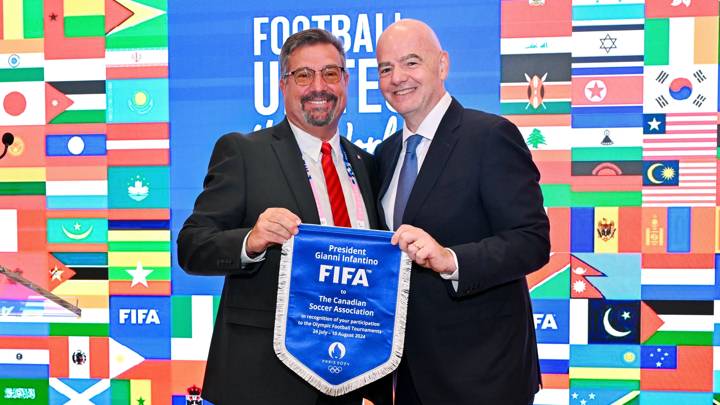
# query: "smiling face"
x,y
412,69
316,107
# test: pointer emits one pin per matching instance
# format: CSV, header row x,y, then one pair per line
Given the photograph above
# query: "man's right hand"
x,y
274,226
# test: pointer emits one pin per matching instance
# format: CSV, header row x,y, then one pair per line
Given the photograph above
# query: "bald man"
x,y
461,192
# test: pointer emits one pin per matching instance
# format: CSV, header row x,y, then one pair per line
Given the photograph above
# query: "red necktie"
x,y
334,189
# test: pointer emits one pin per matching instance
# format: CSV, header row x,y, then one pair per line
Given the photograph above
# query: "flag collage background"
x,y
618,102
85,209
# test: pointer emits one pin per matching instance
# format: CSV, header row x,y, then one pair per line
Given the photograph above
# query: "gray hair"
x,y
307,37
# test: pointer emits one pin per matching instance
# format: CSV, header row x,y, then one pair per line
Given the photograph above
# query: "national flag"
x,y
69,390
602,394
547,138
142,277
136,63
79,357
535,45
192,324
611,175
76,145
76,230
606,90
139,187
21,19
23,357
554,358
138,144
679,41
58,273
524,19
551,320
678,277
678,183
17,181
22,103
585,358
137,100
552,280
21,66
27,149
24,389
136,24
84,18
535,84
620,51
680,8
72,102
682,136
693,372
58,45
606,137
677,323
613,321
605,276
673,89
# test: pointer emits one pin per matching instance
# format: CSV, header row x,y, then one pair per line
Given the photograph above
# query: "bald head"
x,y
412,28
412,68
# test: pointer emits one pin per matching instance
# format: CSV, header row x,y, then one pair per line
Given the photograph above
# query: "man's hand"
x,y
274,226
423,249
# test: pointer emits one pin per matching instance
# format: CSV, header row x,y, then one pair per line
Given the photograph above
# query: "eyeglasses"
x,y
304,76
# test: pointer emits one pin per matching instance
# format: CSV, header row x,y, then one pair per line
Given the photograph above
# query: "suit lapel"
x,y
394,145
361,175
290,160
435,160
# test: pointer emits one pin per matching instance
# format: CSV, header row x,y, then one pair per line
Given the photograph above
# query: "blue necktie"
x,y
408,173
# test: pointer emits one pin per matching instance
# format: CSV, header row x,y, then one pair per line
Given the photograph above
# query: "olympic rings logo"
x,y
334,369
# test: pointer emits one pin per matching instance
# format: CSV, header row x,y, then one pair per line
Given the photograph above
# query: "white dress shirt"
x,y
426,129
310,148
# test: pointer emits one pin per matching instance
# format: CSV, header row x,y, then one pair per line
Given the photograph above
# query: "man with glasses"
x,y
258,189
461,192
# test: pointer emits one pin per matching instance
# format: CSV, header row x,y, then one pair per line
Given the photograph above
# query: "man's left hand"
x,y
423,249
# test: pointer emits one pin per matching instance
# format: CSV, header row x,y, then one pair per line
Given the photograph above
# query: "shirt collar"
x,y
430,124
310,145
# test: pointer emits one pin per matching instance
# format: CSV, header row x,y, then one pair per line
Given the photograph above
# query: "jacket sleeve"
x,y
211,239
512,199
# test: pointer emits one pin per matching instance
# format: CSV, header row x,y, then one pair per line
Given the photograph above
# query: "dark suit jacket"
x,y
246,175
478,194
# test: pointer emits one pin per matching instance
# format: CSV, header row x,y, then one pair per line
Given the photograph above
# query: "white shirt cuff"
x,y
454,277
245,259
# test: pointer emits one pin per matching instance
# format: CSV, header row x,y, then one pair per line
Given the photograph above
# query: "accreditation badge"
x,y
341,306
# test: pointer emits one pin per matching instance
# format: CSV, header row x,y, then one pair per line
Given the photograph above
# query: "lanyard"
x,y
357,196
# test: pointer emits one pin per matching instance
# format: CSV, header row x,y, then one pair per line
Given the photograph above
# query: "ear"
x,y
282,85
444,65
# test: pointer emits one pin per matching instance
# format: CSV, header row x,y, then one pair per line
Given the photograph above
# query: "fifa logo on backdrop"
x,y
545,321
